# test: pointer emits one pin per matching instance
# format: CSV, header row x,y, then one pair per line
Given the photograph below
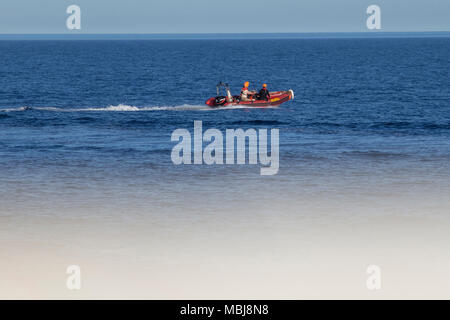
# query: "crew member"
x,y
264,94
245,93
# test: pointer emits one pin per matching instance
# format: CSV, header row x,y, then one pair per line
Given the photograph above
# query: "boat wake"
x,y
123,108
118,108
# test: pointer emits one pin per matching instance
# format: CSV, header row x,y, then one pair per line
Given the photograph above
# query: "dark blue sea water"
x,y
90,121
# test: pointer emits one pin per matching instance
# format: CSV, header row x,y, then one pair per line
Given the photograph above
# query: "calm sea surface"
x,y
89,122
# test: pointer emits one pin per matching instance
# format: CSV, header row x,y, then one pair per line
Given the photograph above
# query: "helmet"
x,y
264,85
246,84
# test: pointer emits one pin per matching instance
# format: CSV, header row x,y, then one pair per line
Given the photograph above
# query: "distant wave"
x,y
86,119
258,122
376,154
382,125
122,108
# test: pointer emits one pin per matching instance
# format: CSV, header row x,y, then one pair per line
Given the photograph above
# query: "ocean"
x,y
86,170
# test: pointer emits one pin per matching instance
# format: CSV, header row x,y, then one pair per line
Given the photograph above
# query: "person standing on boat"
x,y
245,93
264,94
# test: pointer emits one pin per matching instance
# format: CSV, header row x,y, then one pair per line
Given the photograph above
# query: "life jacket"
x,y
244,89
264,94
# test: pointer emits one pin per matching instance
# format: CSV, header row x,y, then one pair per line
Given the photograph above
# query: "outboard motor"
x,y
223,97
220,100
226,87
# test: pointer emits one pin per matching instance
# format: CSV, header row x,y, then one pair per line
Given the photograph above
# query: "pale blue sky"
x,y
222,16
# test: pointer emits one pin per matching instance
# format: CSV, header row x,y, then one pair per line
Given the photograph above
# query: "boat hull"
x,y
276,99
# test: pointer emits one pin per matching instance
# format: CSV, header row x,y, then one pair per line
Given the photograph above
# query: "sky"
x,y
221,16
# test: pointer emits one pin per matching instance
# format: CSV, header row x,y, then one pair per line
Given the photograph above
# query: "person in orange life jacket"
x,y
264,94
245,92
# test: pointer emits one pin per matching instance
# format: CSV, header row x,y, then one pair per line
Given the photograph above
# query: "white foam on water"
x,y
126,108
14,109
120,107
184,107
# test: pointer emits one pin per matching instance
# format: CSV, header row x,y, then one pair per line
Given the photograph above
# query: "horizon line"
x,y
257,35
178,33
